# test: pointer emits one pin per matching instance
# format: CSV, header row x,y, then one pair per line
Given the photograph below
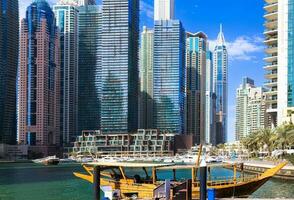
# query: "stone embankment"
x,y
260,166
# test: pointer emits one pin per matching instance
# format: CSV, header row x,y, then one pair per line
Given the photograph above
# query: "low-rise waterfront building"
x,y
143,142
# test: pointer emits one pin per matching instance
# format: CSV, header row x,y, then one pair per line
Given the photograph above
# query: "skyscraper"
x,y
196,58
120,77
169,76
271,59
251,113
279,39
210,101
220,78
39,78
146,79
164,9
9,34
67,21
90,25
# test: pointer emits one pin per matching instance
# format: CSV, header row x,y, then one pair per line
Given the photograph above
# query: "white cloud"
x,y
243,47
147,9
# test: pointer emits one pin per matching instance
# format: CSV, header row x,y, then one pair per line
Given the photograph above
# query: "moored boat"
x,y
144,187
50,160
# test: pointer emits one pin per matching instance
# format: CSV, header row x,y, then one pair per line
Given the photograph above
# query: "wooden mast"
x,y
194,174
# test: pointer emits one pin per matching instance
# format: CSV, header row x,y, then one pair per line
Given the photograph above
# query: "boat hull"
x,y
240,190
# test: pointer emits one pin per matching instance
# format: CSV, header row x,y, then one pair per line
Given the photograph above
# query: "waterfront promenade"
x,y
255,166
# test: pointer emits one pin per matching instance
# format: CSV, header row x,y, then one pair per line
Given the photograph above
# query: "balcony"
x,y
272,110
271,15
271,66
271,41
271,49
271,58
271,33
271,75
271,1
271,84
271,7
273,92
271,24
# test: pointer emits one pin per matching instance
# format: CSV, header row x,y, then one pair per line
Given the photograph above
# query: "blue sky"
x,y
243,27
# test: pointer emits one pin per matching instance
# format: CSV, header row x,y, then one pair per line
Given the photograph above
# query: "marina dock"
x,y
261,166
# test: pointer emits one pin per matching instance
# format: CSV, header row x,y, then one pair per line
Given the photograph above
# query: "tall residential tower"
x,y
146,79
279,60
89,102
66,14
9,34
39,78
196,58
251,113
164,9
220,82
120,77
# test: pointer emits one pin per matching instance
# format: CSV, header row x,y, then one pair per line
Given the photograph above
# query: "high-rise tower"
x,y
39,78
220,82
196,58
251,113
271,60
9,34
67,20
164,9
168,69
90,26
279,60
120,77
146,79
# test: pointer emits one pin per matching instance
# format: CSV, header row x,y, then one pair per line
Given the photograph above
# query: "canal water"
x,y
35,182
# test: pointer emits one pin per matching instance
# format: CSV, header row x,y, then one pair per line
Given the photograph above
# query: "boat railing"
x,y
227,180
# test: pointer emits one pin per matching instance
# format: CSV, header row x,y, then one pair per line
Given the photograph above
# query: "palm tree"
x,y
291,134
267,137
251,142
285,135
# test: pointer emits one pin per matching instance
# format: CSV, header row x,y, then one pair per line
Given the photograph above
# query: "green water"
x,y
35,182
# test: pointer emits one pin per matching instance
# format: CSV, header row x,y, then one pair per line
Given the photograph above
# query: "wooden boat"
x,y
114,174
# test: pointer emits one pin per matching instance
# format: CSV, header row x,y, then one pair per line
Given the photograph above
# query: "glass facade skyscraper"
x,y
90,25
290,53
9,34
146,79
164,9
120,44
39,78
67,20
210,100
220,78
169,76
196,50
